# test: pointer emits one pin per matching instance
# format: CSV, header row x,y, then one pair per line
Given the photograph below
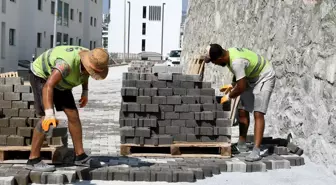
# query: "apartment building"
x,y
151,26
106,21
27,27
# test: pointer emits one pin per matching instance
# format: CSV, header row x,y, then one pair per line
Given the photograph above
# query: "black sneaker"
x,y
41,166
89,162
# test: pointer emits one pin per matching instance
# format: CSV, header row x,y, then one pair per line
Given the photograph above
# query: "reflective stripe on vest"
x,y
261,62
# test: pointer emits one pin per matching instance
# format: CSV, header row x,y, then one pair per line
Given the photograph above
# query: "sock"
x,y
81,157
34,161
241,142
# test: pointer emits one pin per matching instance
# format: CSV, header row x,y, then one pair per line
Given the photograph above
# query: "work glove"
x,y
226,88
225,99
49,119
84,99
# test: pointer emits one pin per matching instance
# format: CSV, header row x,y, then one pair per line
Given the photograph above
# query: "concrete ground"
x,y
101,137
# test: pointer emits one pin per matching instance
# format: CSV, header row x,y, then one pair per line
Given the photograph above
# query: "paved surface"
x,y
101,137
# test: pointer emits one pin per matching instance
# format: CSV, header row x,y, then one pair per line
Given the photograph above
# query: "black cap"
x,y
214,51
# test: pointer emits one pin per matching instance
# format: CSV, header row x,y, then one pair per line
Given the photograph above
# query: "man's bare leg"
x,y
37,141
244,122
259,128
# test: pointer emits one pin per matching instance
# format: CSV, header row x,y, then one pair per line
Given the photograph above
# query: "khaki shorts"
x,y
257,98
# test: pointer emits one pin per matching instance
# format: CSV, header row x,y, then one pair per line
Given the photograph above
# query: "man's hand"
x,y
226,88
84,99
49,119
224,99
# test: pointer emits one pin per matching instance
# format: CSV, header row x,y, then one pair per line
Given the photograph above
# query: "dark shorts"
x,y
62,99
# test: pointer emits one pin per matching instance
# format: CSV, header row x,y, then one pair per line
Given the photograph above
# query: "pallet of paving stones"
x,y
164,108
18,116
139,66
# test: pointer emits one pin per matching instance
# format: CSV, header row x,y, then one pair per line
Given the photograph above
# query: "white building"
x,y
144,22
26,27
106,21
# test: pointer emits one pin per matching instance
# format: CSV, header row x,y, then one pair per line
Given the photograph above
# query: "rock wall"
x,y
299,38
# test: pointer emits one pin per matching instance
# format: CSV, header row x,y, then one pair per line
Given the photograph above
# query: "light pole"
x,y
163,10
129,29
55,23
124,60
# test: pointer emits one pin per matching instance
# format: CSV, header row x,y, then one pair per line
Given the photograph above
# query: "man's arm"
x,y
48,89
238,67
239,88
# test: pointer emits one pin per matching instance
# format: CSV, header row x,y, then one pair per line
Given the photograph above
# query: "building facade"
x,y
106,21
151,26
27,27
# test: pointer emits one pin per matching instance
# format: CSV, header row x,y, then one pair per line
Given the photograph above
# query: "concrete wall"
x,y
27,20
299,38
172,21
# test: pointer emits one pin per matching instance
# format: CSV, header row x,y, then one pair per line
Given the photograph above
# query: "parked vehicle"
x,y
174,58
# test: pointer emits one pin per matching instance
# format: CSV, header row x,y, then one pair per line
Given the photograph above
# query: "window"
x,y
143,45
52,7
71,41
71,14
58,39
66,14
79,42
3,9
143,28
144,12
39,40
91,21
90,44
3,37
155,13
80,16
95,22
51,41
65,39
39,4
11,37
94,44
59,12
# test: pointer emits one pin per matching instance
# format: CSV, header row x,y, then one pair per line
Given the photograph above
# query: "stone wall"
x,y
299,38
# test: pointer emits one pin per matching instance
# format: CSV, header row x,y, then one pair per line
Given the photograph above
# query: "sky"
x,y
105,5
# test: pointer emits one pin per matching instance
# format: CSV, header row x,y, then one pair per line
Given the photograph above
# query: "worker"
x,y
52,76
255,81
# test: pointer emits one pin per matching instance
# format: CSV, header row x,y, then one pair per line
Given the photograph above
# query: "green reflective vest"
x,y
257,62
43,65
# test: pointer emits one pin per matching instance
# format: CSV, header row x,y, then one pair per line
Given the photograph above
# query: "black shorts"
x,y
62,99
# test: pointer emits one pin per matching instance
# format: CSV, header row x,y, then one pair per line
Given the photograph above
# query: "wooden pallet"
x,y
22,152
193,150
9,74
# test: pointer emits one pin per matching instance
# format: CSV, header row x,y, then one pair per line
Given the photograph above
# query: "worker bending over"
x,y
52,77
255,80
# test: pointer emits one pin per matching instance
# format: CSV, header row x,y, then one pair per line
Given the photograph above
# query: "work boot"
x,y
88,162
242,147
254,155
39,165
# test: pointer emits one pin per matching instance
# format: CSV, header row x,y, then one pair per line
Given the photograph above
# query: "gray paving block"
x,y
292,147
193,138
3,140
185,176
172,115
131,76
224,139
207,169
187,130
1,95
280,150
165,76
11,112
15,140
159,84
12,96
127,131
221,122
99,174
5,104
188,85
27,96
22,177
25,131
144,99
35,177
20,104
174,84
191,123
166,108
4,122
166,175
164,123
69,176
182,108
179,123
148,92
53,178
83,173
188,99
198,115
180,137
159,100
209,107
187,116
58,131
299,152
202,85
258,166
152,108
133,107
165,91
180,91
6,88
193,92
14,81
2,81
142,132
149,122
143,84
207,115
207,99
130,122
140,175
129,83
206,131
207,123
165,139
122,114
223,131
195,107
22,88
159,69
129,91
207,92
29,113
172,129
8,131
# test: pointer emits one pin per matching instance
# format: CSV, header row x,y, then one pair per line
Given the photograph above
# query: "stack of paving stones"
x,y
17,114
139,66
163,108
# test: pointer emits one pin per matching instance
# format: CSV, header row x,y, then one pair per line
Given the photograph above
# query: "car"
x,y
174,58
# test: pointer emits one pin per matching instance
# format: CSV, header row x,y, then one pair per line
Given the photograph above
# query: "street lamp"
x,y
129,28
163,10
124,59
55,23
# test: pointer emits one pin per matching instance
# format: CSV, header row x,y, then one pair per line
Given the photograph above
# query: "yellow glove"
x,y
49,119
224,99
84,99
226,89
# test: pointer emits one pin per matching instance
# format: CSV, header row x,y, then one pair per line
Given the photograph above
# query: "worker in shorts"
x,y
52,77
255,81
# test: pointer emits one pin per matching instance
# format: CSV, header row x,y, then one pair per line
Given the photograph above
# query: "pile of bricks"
x,y
167,107
140,66
17,113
